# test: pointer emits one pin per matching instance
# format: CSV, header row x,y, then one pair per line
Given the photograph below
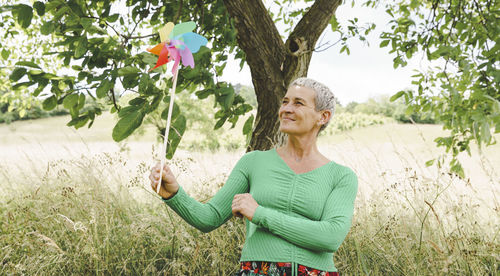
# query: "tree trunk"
x,y
274,64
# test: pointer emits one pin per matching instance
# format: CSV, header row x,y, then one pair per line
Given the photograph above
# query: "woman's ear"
x,y
325,116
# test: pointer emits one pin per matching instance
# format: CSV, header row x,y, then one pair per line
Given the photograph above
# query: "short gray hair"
x,y
325,100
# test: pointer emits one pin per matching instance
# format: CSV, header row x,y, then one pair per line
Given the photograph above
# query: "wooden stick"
x,y
165,138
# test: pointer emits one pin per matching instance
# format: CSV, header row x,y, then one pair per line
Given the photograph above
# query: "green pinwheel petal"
x,y
182,28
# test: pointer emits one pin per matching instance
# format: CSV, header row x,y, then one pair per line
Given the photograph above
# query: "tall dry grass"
x,y
95,214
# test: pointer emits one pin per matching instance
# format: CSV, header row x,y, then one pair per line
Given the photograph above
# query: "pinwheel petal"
x,y
194,41
157,49
165,31
182,28
175,55
163,57
187,57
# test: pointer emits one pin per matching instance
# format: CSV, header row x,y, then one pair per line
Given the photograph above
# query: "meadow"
x,y
75,202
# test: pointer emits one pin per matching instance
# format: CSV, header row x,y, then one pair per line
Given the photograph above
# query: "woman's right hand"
x,y
169,185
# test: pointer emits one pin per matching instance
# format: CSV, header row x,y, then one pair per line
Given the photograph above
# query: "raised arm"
x,y
208,216
326,234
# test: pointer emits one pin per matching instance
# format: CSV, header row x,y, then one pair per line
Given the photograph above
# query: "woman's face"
x,y
297,114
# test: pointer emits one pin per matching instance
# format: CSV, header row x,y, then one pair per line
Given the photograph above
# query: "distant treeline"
x,y
35,112
379,105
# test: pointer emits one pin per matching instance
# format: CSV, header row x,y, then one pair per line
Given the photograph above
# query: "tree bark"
x,y
274,64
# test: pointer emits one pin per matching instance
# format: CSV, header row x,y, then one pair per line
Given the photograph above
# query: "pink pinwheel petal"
x,y
174,55
185,53
187,57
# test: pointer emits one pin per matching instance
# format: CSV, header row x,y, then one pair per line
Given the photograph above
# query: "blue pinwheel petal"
x,y
194,41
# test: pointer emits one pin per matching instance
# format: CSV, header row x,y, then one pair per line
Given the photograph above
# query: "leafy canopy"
x,y
102,51
461,39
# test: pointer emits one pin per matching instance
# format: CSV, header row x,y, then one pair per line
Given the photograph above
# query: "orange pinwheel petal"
x,y
157,49
163,57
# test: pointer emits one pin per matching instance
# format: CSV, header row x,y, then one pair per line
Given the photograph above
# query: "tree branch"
x,y
314,22
178,14
257,35
301,42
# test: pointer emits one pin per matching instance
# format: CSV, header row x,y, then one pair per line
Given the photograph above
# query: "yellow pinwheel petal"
x,y
165,31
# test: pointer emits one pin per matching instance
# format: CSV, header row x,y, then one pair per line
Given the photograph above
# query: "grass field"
x,y
75,202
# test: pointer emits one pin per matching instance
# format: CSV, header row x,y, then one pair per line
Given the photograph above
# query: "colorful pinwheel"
x,y
178,42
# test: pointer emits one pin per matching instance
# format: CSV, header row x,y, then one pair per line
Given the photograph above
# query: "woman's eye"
x,y
299,103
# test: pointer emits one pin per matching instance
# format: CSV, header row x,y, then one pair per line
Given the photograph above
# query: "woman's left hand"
x,y
244,205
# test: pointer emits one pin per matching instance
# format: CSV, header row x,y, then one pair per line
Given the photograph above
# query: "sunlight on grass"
x,y
78,203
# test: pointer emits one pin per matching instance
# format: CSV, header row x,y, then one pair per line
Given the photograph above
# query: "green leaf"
x,y
86,23
70,101
81,101
79,121
47,28
228,101
103,88
5,54
457,168
23,85
35,72
81,48
130,81
113,18
39,7
175,135
28,64
384,43
49,103
53,5
485,132
397,96
220,122
128,70
127,124
144,83
247,127
176,111
22,112
38,90
202,94
137,101
128,110
225,96
429,163
24,15
17,74
334,23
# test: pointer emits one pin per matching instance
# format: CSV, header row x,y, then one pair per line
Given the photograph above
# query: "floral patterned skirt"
x,y
258,268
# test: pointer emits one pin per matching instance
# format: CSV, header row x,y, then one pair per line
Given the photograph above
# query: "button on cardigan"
x,y
301,218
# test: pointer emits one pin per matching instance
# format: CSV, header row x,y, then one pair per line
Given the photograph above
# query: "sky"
x,y
368,70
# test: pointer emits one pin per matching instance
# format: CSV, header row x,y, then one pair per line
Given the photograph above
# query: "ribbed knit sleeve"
x,y
326,234
207,217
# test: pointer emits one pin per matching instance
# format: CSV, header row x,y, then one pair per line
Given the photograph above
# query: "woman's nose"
x,y
286,107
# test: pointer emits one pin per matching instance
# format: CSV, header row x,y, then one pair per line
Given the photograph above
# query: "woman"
x,y
298,204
